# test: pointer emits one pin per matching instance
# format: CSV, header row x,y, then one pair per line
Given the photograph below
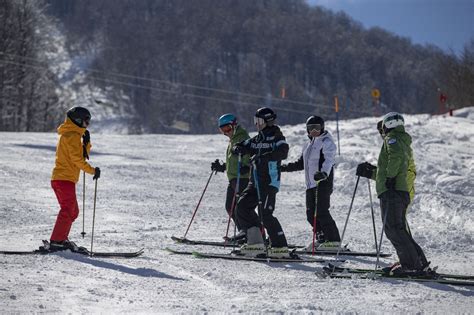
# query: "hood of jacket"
x,y
69,126
400,133
70,153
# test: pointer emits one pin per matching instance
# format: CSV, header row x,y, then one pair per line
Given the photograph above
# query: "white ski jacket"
x,y
319,154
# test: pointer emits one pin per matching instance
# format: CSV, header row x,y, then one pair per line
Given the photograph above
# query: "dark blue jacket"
x,y
268,148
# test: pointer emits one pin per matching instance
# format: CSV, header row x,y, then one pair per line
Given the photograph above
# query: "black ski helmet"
x,y
78,115
267,114
315,120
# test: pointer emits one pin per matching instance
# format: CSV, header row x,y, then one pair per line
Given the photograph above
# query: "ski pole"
x,y
86,156
234,200
372,210
235,233
315,215
381,237
93,216
260,210
83,202
197,207
347,219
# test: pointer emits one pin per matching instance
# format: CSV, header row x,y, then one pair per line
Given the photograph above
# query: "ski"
x,y
342,253
331,268
380,276
25,252
77,250
117,254
178,252
187,241
85,253
299,250
236,256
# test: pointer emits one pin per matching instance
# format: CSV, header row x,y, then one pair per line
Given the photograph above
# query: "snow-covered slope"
x,y
149,189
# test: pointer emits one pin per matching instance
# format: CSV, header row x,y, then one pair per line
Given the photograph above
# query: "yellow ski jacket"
x,y
70,159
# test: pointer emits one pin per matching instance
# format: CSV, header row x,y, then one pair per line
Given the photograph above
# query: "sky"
x,y
448,24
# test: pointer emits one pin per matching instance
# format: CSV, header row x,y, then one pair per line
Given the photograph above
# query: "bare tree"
x,y
27,86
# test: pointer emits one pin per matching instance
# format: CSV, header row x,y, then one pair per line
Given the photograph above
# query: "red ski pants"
x,y
66,193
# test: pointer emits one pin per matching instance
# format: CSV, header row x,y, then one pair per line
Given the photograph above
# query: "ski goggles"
x,y
316,127
226,128
87,121
258,121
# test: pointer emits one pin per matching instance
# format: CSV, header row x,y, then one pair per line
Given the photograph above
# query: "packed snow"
x,y
149,188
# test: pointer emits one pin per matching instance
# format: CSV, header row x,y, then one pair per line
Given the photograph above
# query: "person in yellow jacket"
x,y
72,149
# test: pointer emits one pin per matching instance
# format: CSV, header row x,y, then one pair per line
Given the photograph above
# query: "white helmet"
x,y
392,120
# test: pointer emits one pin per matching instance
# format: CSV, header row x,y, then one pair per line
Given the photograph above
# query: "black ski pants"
x,y
394,204
326,228
247,217
243,182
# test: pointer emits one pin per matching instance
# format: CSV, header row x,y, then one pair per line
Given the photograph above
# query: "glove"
x,y
217,166
86,137
240,149
365,170
284,168
390,183
320,176
96,174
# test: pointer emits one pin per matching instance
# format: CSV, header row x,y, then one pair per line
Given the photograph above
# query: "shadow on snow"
x,y
142,272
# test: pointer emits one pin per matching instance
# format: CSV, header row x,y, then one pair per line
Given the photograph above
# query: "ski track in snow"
x,y
149,188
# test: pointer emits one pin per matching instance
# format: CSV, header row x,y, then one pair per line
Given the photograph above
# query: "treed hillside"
x,y
28,94
183,62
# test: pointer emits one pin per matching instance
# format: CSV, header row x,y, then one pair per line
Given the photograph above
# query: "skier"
x,y
229,127
70,160
411,168
267,148
318,160
395,175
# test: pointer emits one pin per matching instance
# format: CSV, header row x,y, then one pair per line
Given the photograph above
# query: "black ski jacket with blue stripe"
x,y
268,148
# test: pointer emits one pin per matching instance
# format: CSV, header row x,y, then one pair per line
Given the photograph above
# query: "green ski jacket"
x,y
232,160
396,160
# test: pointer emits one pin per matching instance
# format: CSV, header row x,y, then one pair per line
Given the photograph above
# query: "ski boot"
x,y
55,246
279,252
253,250
240,238
399,271
386,270
329,245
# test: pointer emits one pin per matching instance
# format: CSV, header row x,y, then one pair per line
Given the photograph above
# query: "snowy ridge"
x,y
150,186
111,109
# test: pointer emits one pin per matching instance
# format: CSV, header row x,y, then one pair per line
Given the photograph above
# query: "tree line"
x,y
184,62
28,97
